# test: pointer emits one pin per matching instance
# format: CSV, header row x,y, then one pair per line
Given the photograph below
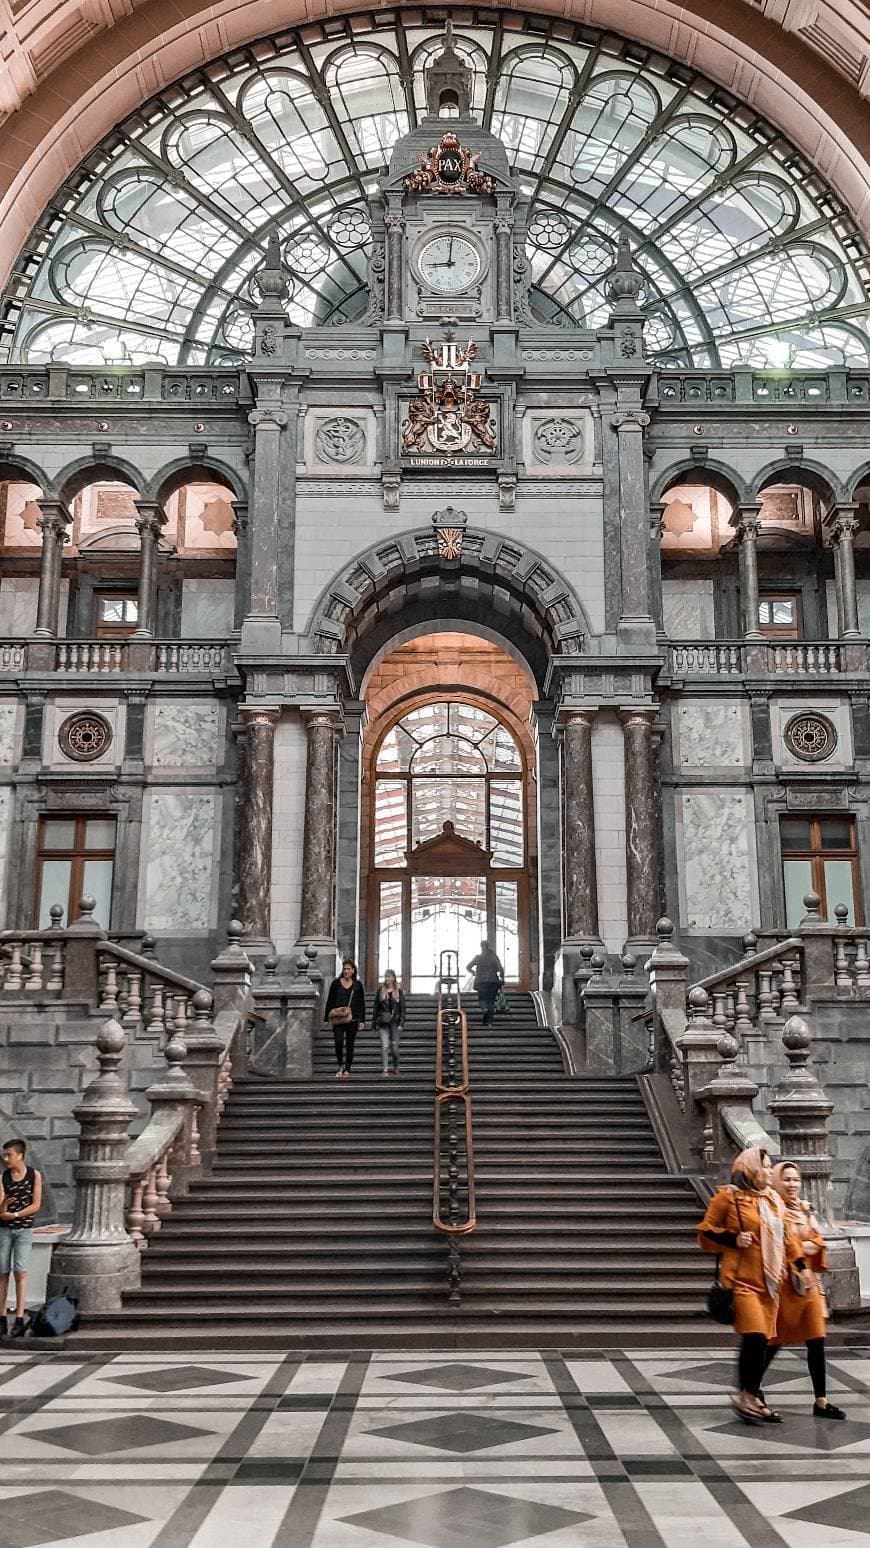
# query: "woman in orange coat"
x,y
801,1316
745,1224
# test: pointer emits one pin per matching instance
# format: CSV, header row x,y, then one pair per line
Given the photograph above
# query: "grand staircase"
x,y
315,1226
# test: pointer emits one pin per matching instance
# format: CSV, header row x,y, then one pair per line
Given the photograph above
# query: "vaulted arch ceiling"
x,y
150,247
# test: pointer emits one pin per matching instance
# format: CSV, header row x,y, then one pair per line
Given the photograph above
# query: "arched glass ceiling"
x,y
148,251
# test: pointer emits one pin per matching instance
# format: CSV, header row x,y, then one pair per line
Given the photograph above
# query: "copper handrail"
x,y
449,1216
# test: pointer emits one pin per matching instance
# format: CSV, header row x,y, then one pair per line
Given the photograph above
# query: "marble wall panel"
x,y
862,588
716,859
711,734
185,734
8,719
18,598
687,606
179,845
207,608
6,794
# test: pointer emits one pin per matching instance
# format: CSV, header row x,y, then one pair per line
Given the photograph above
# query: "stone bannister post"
x,y
293,1008
699,1049
600,1018
633,1054
668,973
232,970
802,1109
81,966
98,1260
730,1124
173,1090
817,936
203,1062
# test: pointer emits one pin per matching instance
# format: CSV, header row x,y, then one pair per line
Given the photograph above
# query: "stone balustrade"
x,y
688,659
188,658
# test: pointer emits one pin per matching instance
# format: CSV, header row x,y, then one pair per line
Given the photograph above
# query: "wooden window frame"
x,y
782,631
78,855
108,631
817,855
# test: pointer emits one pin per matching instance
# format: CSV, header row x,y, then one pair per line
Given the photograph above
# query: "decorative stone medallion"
x,y
558,440
810,736
85,736
340,440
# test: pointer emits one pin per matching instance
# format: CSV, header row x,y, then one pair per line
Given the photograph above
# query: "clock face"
x,y
449,263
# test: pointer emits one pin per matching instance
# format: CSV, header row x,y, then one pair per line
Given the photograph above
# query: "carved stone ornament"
x,y
448,168
450,527
269,340
340,440
810,736
558,440
84,736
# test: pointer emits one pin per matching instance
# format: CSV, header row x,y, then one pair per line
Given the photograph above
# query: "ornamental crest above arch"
x,y
541,600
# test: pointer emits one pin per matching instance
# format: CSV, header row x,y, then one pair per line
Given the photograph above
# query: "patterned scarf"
x,y
747,1172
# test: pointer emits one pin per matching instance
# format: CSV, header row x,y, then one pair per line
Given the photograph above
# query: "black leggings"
x,y
752,1361
345,1037
815,1348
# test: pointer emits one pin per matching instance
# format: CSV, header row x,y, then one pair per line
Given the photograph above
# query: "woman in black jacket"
x,y
345,1010
388,1018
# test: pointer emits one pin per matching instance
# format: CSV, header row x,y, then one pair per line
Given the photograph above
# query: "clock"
x,y
449,263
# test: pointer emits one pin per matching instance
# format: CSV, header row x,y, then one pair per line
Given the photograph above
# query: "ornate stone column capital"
x,y
267,419
845,523
55,518
254,715
630,419
151,518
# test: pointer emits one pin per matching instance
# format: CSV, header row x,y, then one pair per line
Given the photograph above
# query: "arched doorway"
x,y
449,842
449,808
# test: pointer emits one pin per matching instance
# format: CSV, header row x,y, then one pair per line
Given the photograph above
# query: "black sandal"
x,y
830,1411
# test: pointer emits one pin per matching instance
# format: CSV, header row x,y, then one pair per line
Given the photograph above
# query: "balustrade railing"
x,y
91,656
453,1207
706,659
775,658
182,657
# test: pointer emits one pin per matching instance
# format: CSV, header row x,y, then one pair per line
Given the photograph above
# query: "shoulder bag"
x,y
339,1015
720,1298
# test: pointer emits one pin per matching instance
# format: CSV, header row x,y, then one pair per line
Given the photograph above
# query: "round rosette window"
x,y
85,736
811,736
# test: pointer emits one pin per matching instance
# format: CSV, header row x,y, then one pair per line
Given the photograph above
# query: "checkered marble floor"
x,y
634,1449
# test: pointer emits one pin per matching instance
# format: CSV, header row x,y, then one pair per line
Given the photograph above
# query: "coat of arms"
x,y
447,169
448,418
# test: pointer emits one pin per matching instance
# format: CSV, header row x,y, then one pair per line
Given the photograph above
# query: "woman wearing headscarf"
x,y
745,1224
801,1316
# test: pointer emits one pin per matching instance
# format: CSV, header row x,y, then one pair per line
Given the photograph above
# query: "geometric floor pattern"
x,y
502,1449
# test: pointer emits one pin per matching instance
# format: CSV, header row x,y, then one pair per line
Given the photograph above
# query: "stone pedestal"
x,y
255,847
642,837
292,1009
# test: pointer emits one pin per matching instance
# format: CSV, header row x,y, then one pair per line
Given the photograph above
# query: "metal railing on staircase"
x,y
453,1207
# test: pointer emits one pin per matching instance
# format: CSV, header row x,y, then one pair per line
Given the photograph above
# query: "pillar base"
x,y
636,636
95,1275
328,959
641,946
286,1050
841,1281
261,636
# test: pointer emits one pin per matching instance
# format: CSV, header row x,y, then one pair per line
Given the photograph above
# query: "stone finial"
x,y
728,1049
750,944
598,963
55,914
271,279
270,965
303,966
841,914
86,924
698,1002
797,1041
813,916
148,948
201,1005
448,80
624,282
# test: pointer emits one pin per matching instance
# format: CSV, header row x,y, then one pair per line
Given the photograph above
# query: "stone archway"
x,y
496,579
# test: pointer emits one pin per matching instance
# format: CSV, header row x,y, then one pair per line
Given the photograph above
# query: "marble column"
x,y
317,915
748,528
503,249
581,880
262,631
843,539
636,609
149,524
395,225
642,839
255,839
53,523
656,533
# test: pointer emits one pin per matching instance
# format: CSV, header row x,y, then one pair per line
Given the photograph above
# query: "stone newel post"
x,y
53,522
581,882
149,524
642,838
99,1260
802,1109
317,924
255,849
748,528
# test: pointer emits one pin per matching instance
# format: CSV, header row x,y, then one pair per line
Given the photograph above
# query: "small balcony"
x,y
690,660
109,657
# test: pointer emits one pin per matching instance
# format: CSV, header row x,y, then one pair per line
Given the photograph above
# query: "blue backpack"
x,y
58,1316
